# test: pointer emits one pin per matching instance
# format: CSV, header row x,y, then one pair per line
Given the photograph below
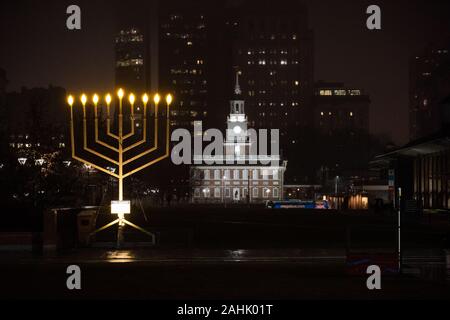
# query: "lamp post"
x,y
223,182
223,189
22,161
248,188
336,185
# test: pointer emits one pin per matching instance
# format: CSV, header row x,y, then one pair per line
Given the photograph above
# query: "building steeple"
x,y
237,88
237,120
237,103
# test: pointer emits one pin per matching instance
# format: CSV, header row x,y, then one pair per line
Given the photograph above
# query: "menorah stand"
x,y
120,207
121,222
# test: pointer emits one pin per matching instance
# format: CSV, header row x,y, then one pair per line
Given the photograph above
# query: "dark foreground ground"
x,y
166,278
237,253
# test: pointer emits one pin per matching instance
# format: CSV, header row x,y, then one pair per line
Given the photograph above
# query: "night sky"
x,y
36,49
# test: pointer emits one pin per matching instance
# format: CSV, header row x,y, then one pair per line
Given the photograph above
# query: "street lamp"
x,y
112,169
336,185
223,191
248,188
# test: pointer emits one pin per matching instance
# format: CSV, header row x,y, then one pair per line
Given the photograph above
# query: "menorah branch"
x,y
97,139
155,144
72,136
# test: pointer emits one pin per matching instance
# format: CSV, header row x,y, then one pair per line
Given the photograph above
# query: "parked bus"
x,y
298,204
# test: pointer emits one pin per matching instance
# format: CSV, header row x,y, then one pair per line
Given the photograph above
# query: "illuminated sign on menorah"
x,y
118,156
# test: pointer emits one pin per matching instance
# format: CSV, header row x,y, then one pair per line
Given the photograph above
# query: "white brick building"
x,y
231,182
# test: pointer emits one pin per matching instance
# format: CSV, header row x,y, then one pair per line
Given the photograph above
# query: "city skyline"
x,y
381,54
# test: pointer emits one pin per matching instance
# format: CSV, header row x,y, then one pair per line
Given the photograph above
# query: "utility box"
x,y
86,221
68,228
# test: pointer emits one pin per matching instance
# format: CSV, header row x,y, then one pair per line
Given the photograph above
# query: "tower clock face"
x,y
237,130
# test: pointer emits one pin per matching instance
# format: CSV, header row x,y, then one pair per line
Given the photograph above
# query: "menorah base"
x,y
121,222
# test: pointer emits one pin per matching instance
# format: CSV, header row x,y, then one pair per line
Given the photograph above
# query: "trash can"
x,y
65,227
86,221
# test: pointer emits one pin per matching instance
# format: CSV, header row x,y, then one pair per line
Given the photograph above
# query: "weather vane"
x,y
122,150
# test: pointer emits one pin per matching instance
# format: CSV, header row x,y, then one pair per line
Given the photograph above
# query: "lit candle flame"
x,y
70,100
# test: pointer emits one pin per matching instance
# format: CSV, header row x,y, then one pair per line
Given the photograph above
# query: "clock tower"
x,y
237,139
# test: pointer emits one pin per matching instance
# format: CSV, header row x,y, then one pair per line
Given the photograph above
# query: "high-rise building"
x,y
136,46
341,126
429,85
131,57
339,108
273,47
274,51
183,68
163,47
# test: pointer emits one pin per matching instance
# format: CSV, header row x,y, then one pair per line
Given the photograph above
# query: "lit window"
x,y
340,92
325,92
275,174
275,192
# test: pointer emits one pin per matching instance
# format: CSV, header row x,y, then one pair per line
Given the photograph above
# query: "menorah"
x,y
120,149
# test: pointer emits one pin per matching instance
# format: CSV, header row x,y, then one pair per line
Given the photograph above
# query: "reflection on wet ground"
x,y
183,255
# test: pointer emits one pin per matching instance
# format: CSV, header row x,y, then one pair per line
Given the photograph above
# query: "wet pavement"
x,y
236,255
157,255
203,274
